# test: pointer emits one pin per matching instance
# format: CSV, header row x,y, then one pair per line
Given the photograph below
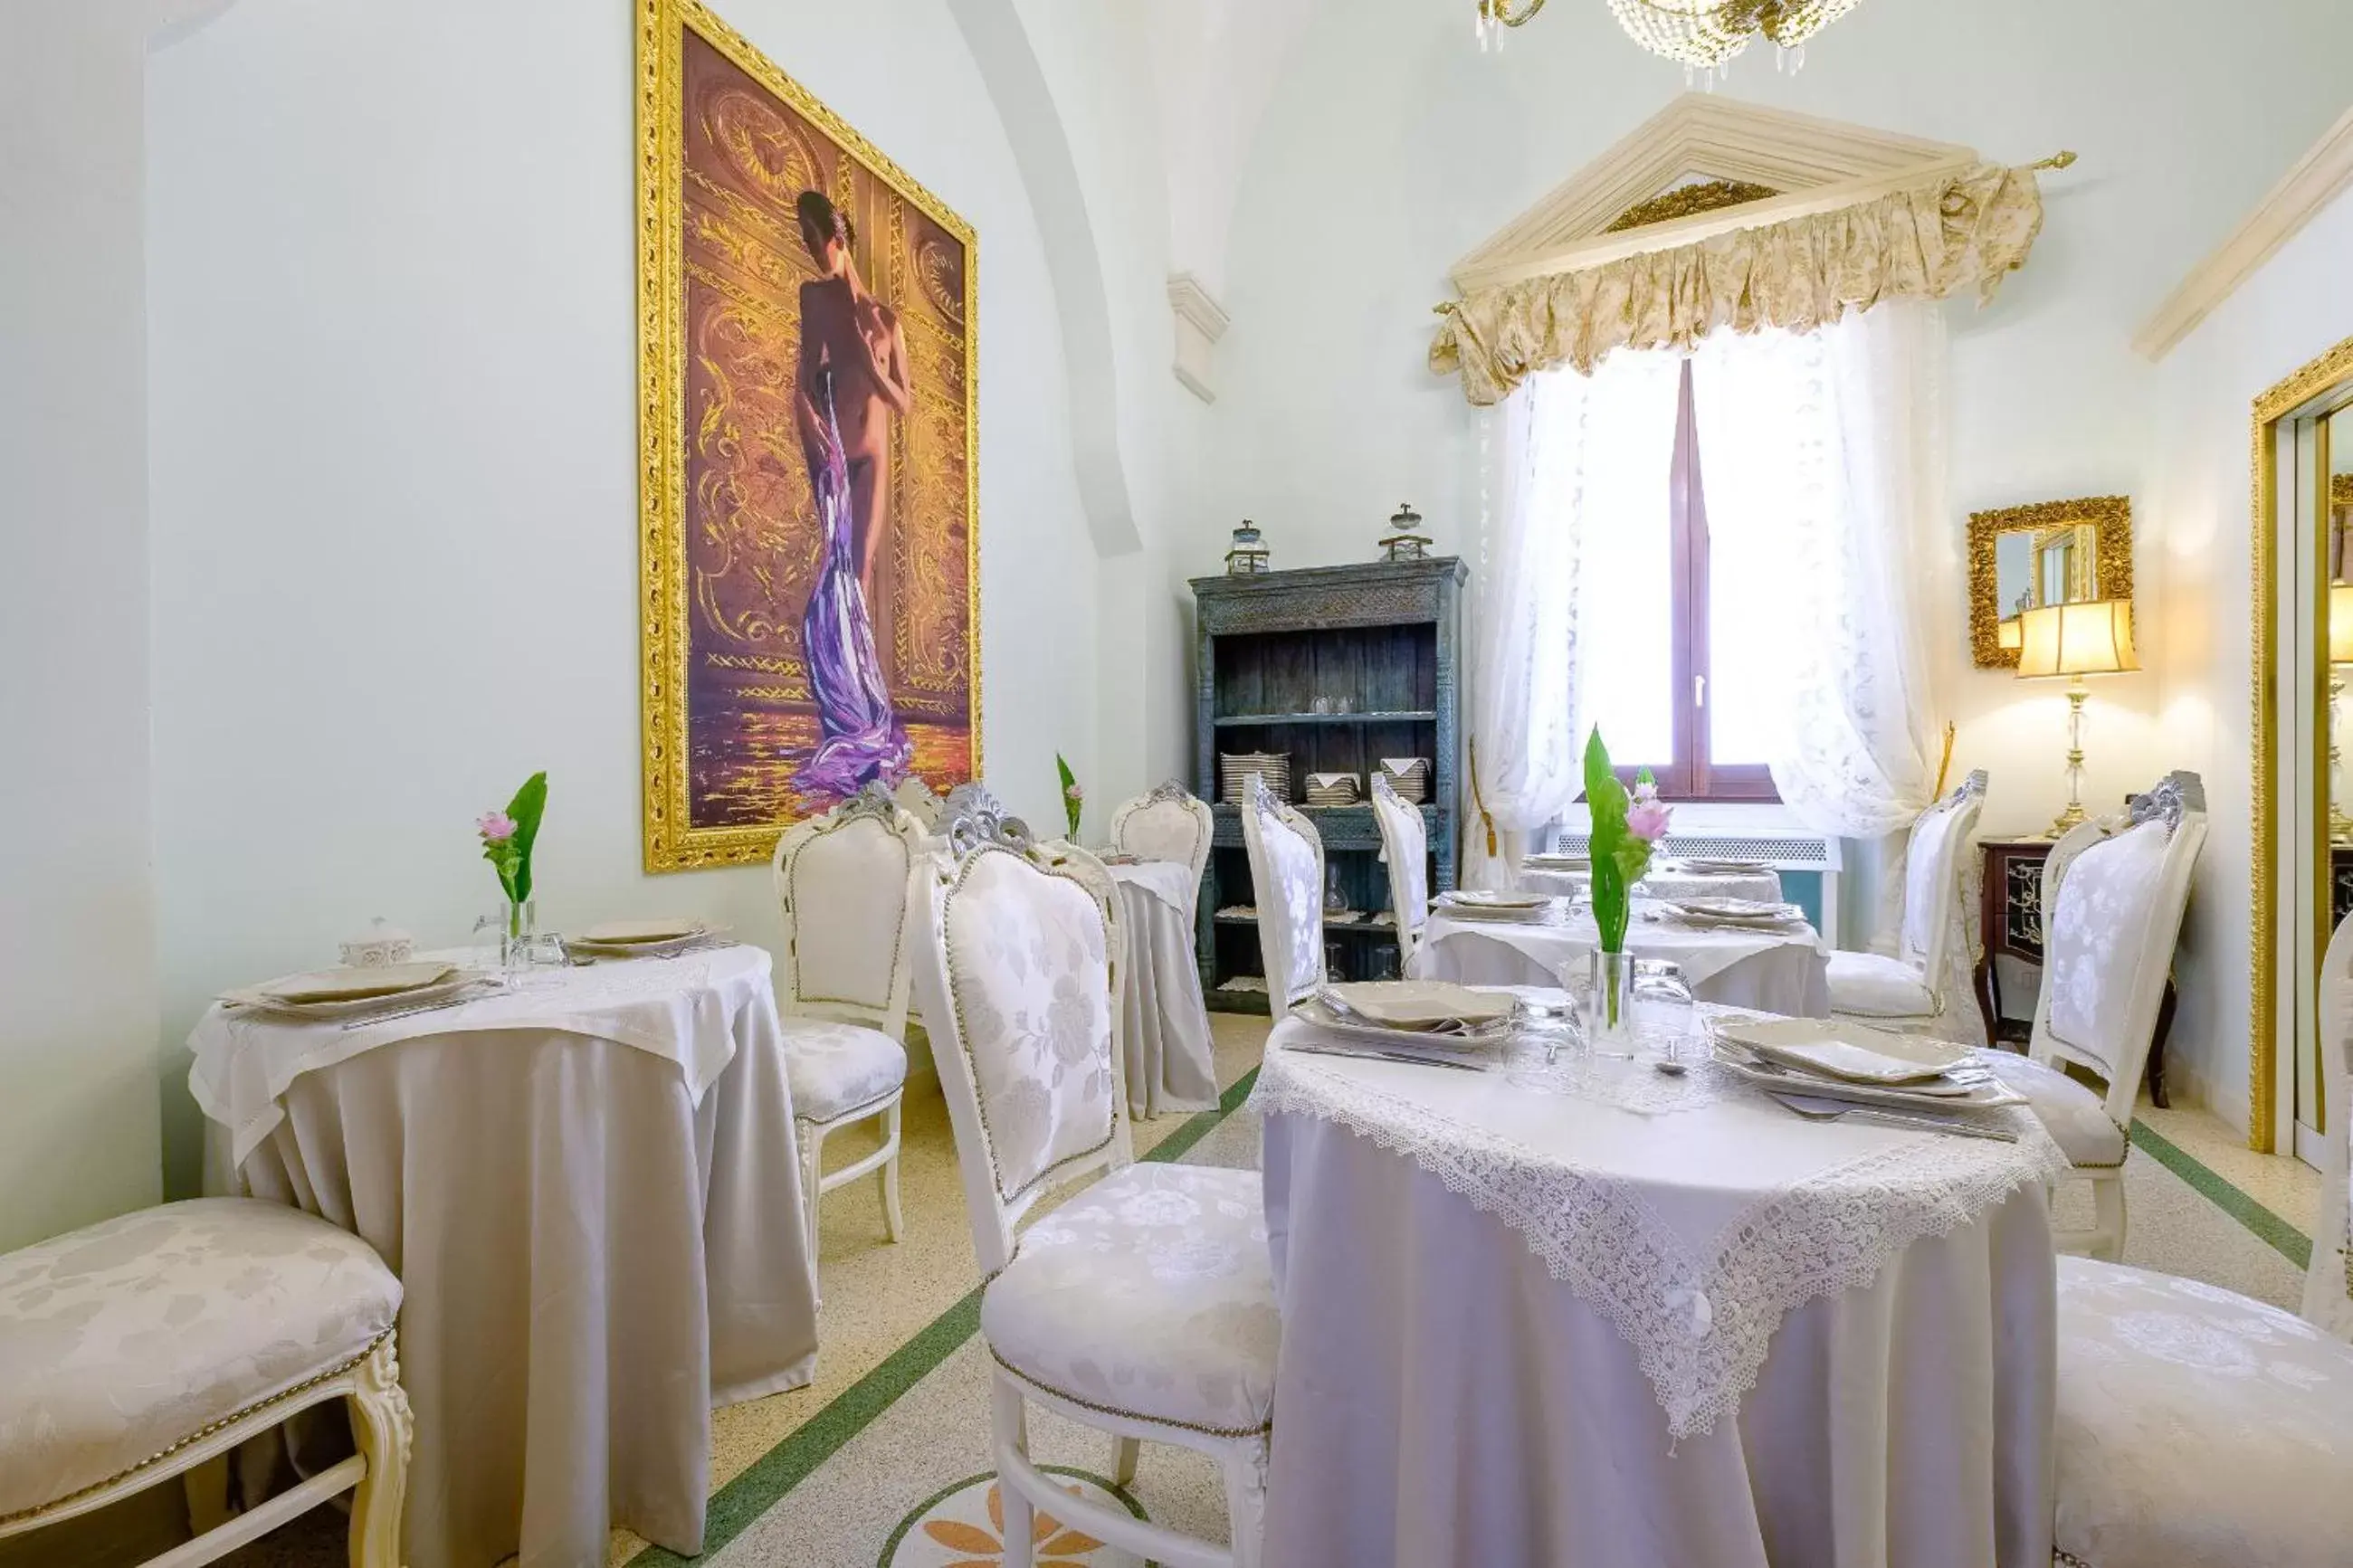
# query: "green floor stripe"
x,y
818,1440
2275,1232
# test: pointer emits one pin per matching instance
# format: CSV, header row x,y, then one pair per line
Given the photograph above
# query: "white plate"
x,y
1495,901
458,982
1983,1094
1711,867
707,936
629,933
351,985
1546,913
1419,1004
1325,1021
1735,910
1834,1047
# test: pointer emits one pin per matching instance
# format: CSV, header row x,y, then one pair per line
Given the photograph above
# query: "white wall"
x,y
1393,146
78,1109
2296,307
393,369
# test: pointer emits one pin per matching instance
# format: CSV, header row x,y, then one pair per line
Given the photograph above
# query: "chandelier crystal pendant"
x,y
1494,16
1706,33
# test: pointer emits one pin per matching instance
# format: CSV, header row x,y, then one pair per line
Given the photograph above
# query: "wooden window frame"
x,y
1695,776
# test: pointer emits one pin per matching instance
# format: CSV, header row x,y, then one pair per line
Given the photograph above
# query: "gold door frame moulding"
x,y
2309,382
2112,515
671,842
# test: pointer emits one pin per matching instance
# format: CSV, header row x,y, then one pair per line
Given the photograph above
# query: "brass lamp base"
x,y
2075,816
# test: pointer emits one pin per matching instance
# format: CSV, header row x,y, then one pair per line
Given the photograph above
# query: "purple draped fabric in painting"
x,y
859,737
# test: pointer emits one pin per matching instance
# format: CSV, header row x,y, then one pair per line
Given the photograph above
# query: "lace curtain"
x,y
1574,450
1822,457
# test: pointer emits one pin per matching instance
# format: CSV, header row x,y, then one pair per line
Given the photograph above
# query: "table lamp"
x,y
2090,636
2340,655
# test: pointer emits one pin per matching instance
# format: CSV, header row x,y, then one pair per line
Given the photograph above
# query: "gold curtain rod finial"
x,y
2063,158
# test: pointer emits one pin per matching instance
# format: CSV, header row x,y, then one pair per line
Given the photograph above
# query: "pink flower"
x,y
1075,793
496,826
1647,819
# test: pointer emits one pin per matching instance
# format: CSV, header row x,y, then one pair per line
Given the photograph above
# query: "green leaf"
x,y
1619,859
1070,808
528,806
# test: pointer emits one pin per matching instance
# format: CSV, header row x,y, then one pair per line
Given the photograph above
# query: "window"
x,y
1684,615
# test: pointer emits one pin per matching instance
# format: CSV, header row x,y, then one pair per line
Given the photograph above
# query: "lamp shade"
x,y
2093,636
2340,623
2008,635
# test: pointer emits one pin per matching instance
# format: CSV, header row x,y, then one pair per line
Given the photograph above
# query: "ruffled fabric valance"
x,y
1924,243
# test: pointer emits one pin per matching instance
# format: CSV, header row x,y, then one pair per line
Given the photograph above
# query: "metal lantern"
x,y
1249,556
1406,542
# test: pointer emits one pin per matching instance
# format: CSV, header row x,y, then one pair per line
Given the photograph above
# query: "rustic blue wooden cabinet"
x,y
1385,639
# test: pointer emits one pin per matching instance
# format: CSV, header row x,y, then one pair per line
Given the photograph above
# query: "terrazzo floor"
x,y
883,1461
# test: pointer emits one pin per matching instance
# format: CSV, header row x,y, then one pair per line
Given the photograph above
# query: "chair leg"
x,y
1246,1502
206,1490
2108,1212
894,1222
381,1428
1010,1419
1125,1452
812,1143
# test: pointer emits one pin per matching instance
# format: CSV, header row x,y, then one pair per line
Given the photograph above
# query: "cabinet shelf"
x,y
1331,929
1397,716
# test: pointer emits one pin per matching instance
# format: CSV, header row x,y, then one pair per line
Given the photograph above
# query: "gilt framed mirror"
x,y
2301,457
2050,552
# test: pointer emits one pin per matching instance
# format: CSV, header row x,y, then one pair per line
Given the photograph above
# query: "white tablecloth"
x,y
1532,1329
1772,972
1666,882
597,1228
1165,1026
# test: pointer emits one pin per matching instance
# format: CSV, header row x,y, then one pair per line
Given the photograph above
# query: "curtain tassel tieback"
x,y
1479,801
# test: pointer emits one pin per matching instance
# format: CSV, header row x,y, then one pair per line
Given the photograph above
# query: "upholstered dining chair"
x,y
1144,1306
2196,1425
842,880
916,798
1912,989
1168,824
153,1344
1286,864
2114,891
1405,845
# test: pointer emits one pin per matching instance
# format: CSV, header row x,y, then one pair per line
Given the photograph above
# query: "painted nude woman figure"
x,y
851,381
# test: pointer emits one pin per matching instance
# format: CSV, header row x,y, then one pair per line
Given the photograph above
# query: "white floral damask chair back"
x,y
2114,891
1404,845
2196,1425
1286,863
1921,984
1168,824
842,881
1142,1307
153,1344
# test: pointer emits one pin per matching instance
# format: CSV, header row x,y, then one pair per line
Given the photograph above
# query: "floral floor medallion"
x,y
963,1527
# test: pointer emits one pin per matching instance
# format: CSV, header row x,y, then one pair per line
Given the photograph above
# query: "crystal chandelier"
x,y
1494,16
1706,33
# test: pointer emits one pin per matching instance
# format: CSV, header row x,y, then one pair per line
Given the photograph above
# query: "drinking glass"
x,y
1664,1008
511,930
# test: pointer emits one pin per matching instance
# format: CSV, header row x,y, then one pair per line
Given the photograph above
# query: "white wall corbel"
x,y
1200,323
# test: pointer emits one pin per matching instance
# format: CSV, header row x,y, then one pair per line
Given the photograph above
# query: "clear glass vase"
x,y
1607,1004
513,929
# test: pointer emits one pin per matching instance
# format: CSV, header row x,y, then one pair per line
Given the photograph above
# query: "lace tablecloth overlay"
x,y
679,1008
1703,954
1170,881
1668,882
1693,1233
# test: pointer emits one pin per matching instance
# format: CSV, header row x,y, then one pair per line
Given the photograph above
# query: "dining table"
x,y
1164,1024
586,1180
1783,970
1565,1309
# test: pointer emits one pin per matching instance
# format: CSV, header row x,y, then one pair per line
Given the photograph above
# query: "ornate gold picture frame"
x,y
808,430
2004,545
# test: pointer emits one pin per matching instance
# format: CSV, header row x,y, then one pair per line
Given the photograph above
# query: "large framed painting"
x,y
808,433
